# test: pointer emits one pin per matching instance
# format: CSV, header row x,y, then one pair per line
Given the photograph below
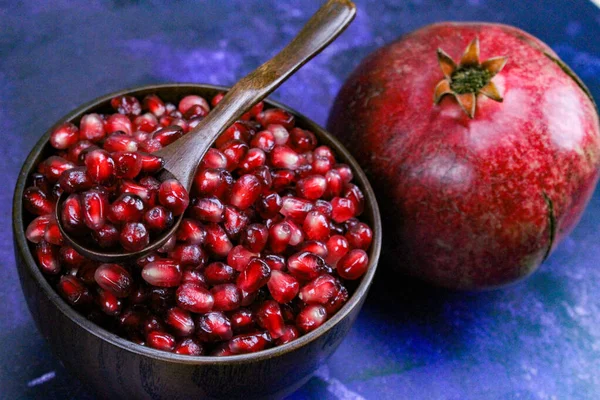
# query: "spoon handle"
x,y
182,157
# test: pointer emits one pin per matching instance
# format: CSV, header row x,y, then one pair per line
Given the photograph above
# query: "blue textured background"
x,y
539,339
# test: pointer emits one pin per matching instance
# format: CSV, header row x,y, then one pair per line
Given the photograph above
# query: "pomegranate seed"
x,y
150,145
284,157
158,219
120,142
227,297
173,196
195,298
114,278
71,214
359,236
242,320
53,167
254,276
215,100
280,134
342,209
87,273
276,116
222,351
134,236
161,341
337,247
217,241
126,105
311,317
297,236
320,290
353,193
127,208
255,237
249,298
234,221
150,163
344,171
100,166
39,181
74,152
214,159
118,122
168,135
312,187
218,272
106,236
131,320
188,255
254,158
108,302
237,131
283,287
239,257
302,140
145,123
74,291
37,202
148,196
213,182
162,272
321,165
334,184
154,104
268,316
196,111
74,180
315,247
65,136
324,207
282,179
248,343
91,127
193,276
36,228
191,232
52,234
70,258
208,209
234,151
279,237
275,262
295,208
94,205
263,140
47,256
263,173
180,321
337,301
188,101
128,165
305,266
269,205
161,299
353,265
289,333
213,326
316,226
189,347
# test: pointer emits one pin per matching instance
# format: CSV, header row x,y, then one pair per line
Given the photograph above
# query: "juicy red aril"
x,y
263,140
253,159
289,333
195,298
53,234
302,140
207,209
74,291
334,184
283,287
217,241
162,272
242,320
166,136
145,190
160,341
316,226
173,196
36,228
213,326
353,193
280,134
53,167
254,276
100,166
315,247
65,136
87,273
75,151
312,187
71,215
108,302
227,297
91,127
320,290
214,159
276,116
152,323
74,180
295,208
154,104
145,123
71,258
118,122
337,301
285,157
120,142
127,208
37,202
249,343
150,163
282,179
195,111
193,276
180,321
297,236
213,182
191,232
217,273
106,236
245,191
47,256
275,262
305,266
337,247
188,255
234,221
126,105
269,205
279,237
94,206
359,236
188,101
239,257
342,209
311,317
128,165
268,316
158,219
237,131
255,237
353,265
114,278
189,347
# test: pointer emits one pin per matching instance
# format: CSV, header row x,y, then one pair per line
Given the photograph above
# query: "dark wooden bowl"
x,y
117,368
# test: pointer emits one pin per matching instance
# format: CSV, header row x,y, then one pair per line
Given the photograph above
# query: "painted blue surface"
x,y
539,339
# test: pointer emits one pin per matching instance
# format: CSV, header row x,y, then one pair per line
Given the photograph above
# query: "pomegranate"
x,y
252,264
483,162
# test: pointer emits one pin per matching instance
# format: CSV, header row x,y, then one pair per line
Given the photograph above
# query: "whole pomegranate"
x,y
483,147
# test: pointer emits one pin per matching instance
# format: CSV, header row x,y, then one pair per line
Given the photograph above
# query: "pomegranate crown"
x,y
469,78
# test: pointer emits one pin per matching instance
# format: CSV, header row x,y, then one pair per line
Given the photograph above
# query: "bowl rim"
x,y
109,337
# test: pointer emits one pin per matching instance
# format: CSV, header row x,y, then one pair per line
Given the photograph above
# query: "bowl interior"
x,y
172,93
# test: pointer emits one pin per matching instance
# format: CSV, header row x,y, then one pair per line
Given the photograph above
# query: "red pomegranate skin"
x,y
471,203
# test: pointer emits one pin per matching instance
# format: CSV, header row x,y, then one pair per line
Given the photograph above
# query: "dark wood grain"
x,y
183,156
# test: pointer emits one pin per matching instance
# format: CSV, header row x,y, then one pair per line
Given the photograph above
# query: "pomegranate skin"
x,y
471,203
